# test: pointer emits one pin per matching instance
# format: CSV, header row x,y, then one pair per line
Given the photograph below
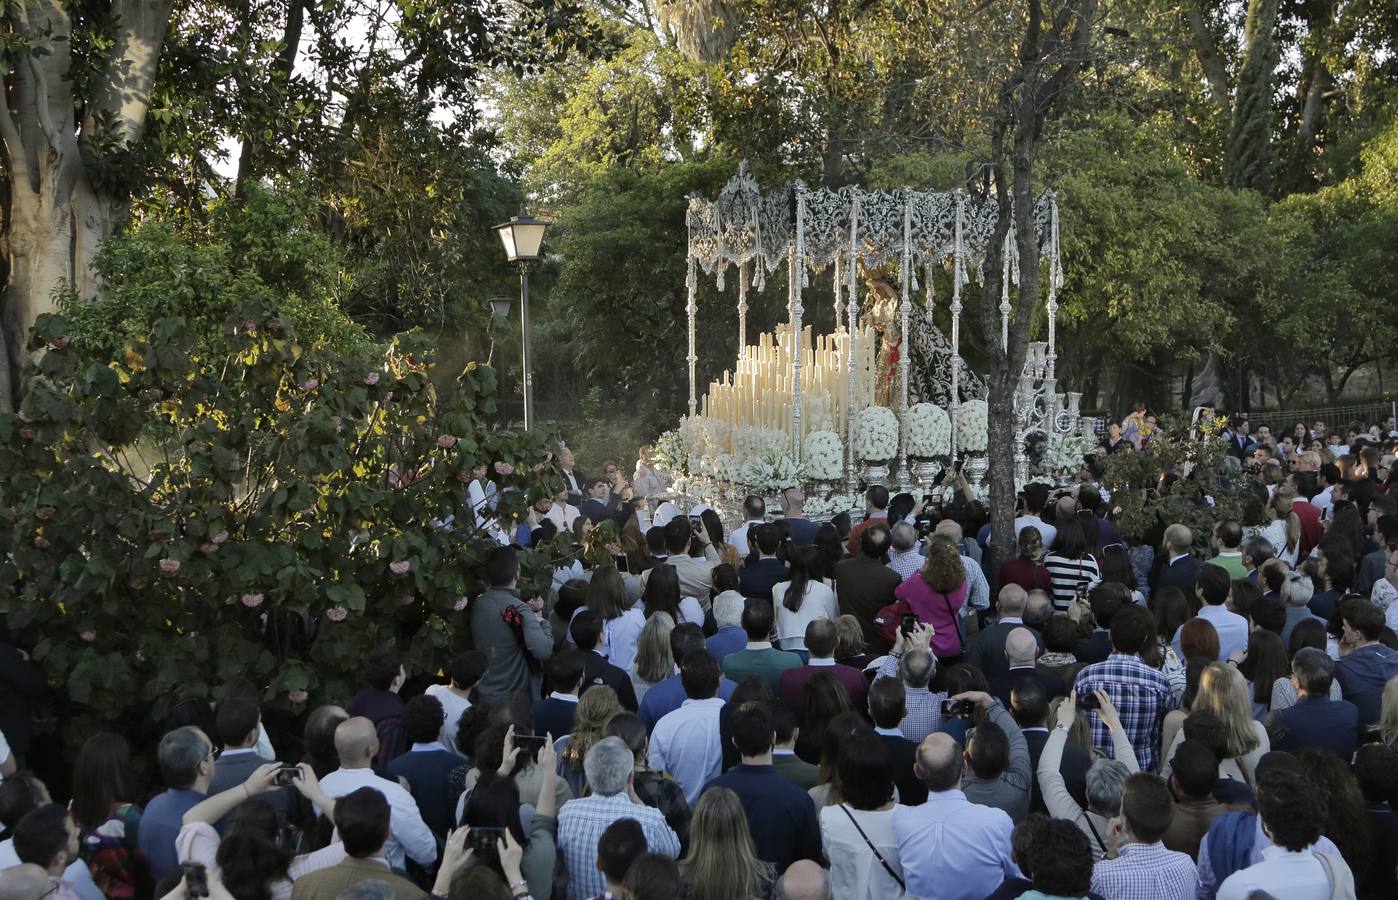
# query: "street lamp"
x,y
521,238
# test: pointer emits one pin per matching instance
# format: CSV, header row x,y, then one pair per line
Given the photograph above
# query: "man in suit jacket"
x,y
1175,567
555,713
1315,720
235,726
803,530
586,631
987,650
887,707
1029,704
594,506
821,637
574,482
784,758
427,763
759,577
865,585
1021,651
362,819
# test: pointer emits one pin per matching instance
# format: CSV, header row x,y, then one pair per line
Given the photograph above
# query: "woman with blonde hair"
x,y
722,862
849,643
1223,692
936,596
596,708
1387,726
1284,529
655,661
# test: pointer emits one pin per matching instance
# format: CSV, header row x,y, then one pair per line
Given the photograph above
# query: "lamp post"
x,y
521,237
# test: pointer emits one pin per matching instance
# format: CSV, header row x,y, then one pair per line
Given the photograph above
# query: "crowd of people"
x,y
793,709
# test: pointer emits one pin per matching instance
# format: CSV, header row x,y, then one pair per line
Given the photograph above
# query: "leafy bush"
x,y
290,516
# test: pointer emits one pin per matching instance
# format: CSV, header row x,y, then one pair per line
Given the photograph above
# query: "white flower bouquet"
x,y
929,431
816,508
876,438
750,442
824,455
772,472
1064,452
973,426
727,468
669,452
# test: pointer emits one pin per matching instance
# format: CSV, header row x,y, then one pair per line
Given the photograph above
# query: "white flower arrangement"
x,y
824,455
929,431
817,411
753,443
727,468
877,437
1036,479
973,426
1064,452
816,508
669,452
772,472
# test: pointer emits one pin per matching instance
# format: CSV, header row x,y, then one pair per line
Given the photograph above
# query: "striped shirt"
x,y
1066,574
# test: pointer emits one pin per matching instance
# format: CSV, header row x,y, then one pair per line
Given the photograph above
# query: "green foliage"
x,y
290,519
1179,478
265,250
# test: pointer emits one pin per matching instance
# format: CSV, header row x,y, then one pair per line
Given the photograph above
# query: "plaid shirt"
x,y
924,707
581,823
1141,696
1146,872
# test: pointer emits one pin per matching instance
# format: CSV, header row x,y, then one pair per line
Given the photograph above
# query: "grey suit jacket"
x,y
232,769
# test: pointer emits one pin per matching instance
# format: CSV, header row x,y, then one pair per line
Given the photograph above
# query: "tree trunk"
x,y
1248,155
56,216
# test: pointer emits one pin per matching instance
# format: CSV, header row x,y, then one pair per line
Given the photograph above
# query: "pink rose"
x,y
504,468
460,604
446,441
220,537
44,512
400,568
252,601
371,379
60,342
336,613
88,636
406,599
297,696
207,548
309,385
169,567
41,542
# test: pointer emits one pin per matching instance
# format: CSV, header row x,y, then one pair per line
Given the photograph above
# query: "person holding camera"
x,y
248,859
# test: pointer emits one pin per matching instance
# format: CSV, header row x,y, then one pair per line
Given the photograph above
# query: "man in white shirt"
x,y
1293,813
557,510
466,672
1211,585
686,742
1035,498
357,742
755,509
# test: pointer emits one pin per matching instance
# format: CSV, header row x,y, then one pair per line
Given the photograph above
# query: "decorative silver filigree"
x,y
826,226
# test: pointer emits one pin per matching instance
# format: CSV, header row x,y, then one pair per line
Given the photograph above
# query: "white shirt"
x,y
1324,501
1275,532
563,516
619,637
1047,531
454,705
739,537
1282,873
686,744
854,872
407,833
818,602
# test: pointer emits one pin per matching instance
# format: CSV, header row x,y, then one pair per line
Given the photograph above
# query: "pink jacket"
x,y
932,606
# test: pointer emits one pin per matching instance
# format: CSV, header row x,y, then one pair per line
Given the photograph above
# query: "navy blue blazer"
x,y
902,753
781,816
758,578
803,530
1316,722
1181,574
554,716
1362,676
597,671
426,772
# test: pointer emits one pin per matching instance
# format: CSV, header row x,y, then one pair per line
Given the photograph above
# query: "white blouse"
x,y
818,602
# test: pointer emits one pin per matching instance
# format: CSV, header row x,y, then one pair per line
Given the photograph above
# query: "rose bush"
x,y
175,518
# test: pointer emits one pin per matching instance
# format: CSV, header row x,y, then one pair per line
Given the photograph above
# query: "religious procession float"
x,y
886,398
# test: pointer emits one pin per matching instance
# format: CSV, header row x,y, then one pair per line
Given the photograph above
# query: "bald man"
x,y
356,742
24,882
987,650
1175,566
1022,650
804,880
949,846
